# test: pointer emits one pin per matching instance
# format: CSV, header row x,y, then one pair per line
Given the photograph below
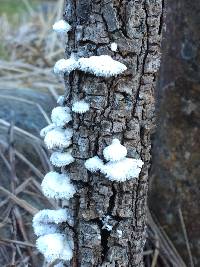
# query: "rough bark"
x,y
176,156
121,107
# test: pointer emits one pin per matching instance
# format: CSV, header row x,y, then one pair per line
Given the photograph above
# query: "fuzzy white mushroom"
x,y
47,129
45,229
122,170
63,66
115,151
94,164
58,138
60,116
113,47
60,159
119,168
61,27
54,247
80,107
60,100
102,65
60,264
46,221
58,186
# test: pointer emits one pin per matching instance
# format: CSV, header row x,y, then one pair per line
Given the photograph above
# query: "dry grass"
x,y
33,50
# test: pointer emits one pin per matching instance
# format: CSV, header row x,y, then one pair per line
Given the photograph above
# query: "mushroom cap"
x,y
58,186
115,151
122,170
61,159
60,116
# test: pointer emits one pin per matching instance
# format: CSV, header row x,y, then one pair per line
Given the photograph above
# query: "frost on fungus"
x,y
61,159
58,186
54,246
63,66
80,107
61,27
46,221
58,138
52,242
60,116
47,129
119,167
102,65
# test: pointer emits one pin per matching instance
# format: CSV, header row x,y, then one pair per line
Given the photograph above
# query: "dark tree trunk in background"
x,y
176,157
121,107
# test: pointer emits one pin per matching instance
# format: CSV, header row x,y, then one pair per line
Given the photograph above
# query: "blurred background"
x,y
28,92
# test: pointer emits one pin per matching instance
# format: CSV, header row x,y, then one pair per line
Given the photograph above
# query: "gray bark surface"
x,y
121,107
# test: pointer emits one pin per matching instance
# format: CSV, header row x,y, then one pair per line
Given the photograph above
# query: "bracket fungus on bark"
x,y
58,138
61,159
61,27
80,107
57,186
54,246
47,221
61,116
118,168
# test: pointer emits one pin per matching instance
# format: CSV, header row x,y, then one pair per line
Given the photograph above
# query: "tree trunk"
x,y
175,171
120,107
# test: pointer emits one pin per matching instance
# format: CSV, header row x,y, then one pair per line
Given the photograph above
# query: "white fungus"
x,y
63,66
60,116
122,170
46,221
51,216
60,159
58,138
47,129
61,27
58,186
119,168
54,247
61,100
102,65
113,47
115,151
119,233
45,229
80,107
60,264
94,164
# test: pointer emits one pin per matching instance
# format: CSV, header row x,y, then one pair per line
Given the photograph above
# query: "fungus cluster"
x,y
117,167
103,66
48,224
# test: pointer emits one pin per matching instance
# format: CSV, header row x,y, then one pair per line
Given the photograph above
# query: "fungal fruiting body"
x,y
47,129
115,151
61,100
122,170
63,66
94,164
80,107
57,186
60,116
46,221
58,138
61,27
113,47
119,167
61,159
54,246
102,65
